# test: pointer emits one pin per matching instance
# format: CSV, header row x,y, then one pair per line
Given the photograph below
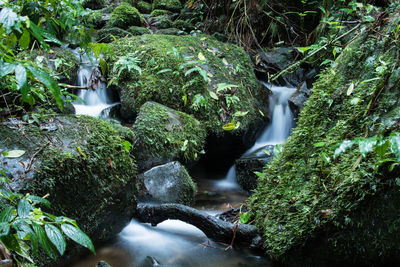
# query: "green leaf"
x,y
24,208
164,71
40,200
366,145
244,217
20,76
6,68
44,241
343,147
25,39
223,86
319,144
14,153
56,237
395,147
229,126
103,66
127,146
23,227
11,243
8,18
78,236
4,228
350,89
37,33
6,215
213,95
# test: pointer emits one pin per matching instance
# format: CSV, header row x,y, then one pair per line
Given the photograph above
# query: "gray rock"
x,y
168,183
103,264
299,98
250,163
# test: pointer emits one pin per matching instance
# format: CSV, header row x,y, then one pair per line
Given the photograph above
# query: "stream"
x,y
173,242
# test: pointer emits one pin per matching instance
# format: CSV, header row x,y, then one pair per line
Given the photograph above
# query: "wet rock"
x,y
299,98
103,264
168,183
250,163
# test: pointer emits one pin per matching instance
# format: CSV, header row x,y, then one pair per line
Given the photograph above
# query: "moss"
x,y
81,163
124,16
171,5
165,135
94,4
135,30
182,25
160,12
144,7
163,79
170,31
305,204
107,35
162,22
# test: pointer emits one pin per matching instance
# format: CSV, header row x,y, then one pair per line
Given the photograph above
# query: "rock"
x,y
135,30
144,7
164,135
171,5
94,4
81,163
161,22
182,25
250,163
107,35
173,75
298,99
103,264
170,31
125,16
160,12
168,183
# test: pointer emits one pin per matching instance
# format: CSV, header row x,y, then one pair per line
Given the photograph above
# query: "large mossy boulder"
x,y
81,162
315,209
168,183
108,35
171,5
201,76
94,4
164,135
125,16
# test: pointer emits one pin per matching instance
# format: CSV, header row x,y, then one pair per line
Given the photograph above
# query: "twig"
x,y
74,86
28,167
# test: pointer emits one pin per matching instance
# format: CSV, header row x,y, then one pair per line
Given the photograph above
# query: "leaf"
x,y
24,208
78,236
201,56
6,68
14,153
395,147
355,101
103,66
244,217
366,145
56,237
80,151
343,147
319,144
213,95
40,200
350,89
29,234
110,162
20,76
4,228
164,71
223,86
303,49
25,39
229,126
260,174
225,62
8,18
127,146
44,241
11,243
6,215
37,33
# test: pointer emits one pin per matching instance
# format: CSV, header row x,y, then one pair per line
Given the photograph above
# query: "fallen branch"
x,y
212,227
73,86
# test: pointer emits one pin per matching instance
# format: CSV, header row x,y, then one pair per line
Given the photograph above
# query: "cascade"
x,y
95,103
276,132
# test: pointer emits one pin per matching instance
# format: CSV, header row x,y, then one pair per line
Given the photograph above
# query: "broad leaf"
x,y
395,147
20,76
229,126
6,215
4,229
343,147
8,18
26,231
37,33
14,153
11,243
56,237
44,241
24,208
213,95
40,200
366,145
6,68
25,39
78,236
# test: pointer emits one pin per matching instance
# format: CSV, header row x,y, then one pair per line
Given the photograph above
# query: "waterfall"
x,y
276,132
95,103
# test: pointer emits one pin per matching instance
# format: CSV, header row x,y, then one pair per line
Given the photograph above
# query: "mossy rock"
x,y
135,30
108,35
83,166
165,135
161,22
125,16
318,210
94,4
183,25
144,7
170,31
171,5
160,12
167,77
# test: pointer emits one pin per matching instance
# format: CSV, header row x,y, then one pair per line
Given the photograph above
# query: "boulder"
x,y
136,30
144,7
125,16
103,264
107,35
81,163
161,22
170,31
298,99
247,164
160,12
94,4
164,135
211,80
168,183
171,5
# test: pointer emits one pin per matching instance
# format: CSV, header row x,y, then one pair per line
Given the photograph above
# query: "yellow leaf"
x,y
229,126
225,62
350,89
201,56
80,151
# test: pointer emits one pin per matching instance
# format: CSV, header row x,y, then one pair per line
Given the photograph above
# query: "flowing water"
x,y
275,133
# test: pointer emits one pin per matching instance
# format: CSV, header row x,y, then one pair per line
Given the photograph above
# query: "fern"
x,y
130,62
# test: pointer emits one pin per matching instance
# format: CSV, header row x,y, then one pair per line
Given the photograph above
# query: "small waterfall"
x,y
276,132
95,103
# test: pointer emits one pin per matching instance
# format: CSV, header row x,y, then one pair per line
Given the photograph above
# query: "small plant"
x,y
125,65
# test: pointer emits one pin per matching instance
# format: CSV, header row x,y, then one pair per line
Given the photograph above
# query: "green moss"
x,y
162,22
182,25
170,31
163,79
171,5
165,135
144,7
306,204
94,4
135,30
160,12
108,35
124,16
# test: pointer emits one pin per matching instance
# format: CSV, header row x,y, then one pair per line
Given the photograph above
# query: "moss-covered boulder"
x,y
160,12
135,30
108,35
94,4
161,22
170,31
164,135
144,7
83,165
168,183
327,203
124,16
171,5
183,25
211,80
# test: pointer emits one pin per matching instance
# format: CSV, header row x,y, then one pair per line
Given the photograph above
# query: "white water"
x,y
275,133
90,102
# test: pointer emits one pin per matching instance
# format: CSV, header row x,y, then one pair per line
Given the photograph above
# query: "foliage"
x,y
125,65
24,226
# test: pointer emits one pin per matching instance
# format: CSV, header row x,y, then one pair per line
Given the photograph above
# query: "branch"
x,y
74,86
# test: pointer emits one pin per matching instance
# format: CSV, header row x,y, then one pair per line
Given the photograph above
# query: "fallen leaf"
x,y
13,153
110,162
